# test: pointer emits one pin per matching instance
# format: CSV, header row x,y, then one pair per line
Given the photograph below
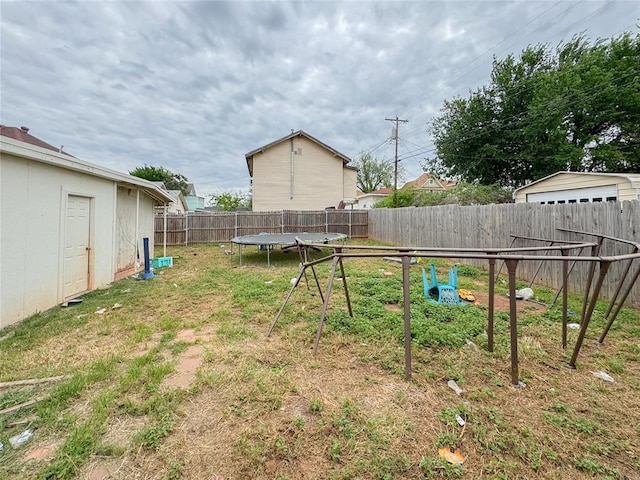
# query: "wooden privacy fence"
x,y
193,228
497,226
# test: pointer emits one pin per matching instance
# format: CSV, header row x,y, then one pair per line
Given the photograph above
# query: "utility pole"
x,y
395,134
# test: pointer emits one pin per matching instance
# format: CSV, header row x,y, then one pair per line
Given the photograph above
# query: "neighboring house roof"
x,y
634,178
178,198
299,133
421,182
380,191
51,156
22,134
191,189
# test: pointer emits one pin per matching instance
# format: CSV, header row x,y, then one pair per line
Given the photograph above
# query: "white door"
x,y
77,245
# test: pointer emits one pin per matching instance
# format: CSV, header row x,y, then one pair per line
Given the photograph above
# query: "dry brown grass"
x,y
266,408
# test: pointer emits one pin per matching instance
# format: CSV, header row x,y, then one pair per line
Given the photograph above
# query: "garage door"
x,y
601,193
76,246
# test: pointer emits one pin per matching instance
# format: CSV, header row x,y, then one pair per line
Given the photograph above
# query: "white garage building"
x,y
580,187
66,226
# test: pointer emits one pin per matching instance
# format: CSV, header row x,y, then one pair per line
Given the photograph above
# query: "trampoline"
x,y
285,240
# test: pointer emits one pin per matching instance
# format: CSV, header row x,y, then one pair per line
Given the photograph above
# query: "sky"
x,y
193,86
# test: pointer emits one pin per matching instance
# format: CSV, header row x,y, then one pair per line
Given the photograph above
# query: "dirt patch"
x,y
186,369
40,453
100,469
501,303
393,307
120,431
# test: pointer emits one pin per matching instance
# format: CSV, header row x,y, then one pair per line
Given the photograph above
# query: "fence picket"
x,y
491,226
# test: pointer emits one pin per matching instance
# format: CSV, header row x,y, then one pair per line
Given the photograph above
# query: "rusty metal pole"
x,y
513,241
595,250
490,315
406,263
620,304
286,300
565,297
535,274
604,268
325,305
344,284
512,265
623,277
315,275
573,264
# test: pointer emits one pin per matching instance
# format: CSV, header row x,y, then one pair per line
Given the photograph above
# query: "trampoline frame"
x,y
285,240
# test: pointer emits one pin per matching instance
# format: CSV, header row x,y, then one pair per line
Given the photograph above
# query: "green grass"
x,y
349,411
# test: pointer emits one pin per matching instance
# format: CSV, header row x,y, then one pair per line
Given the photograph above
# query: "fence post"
x,y
350,223
235,225
186,230
326,221
282,221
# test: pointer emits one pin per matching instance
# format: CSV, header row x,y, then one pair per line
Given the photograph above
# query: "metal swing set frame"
x,y
556,251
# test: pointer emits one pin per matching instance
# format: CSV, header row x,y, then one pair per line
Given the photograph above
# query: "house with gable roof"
x,y
299,172
430,183
368,200
194,201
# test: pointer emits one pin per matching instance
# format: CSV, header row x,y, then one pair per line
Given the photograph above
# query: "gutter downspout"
x,y
164,245
137,253
291,180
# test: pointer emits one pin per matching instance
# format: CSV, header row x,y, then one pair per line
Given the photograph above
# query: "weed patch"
x,y
268,408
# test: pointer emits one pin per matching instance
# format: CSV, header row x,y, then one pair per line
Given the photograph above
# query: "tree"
x,y
576,108
229,201
373,174
462,194
172,181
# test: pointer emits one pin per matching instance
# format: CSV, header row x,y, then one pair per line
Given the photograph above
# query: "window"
x,y
584,200
573,200
561,202
597,199
551,202
611,199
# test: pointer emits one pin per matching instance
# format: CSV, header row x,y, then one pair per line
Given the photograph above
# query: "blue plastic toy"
x,y
438,292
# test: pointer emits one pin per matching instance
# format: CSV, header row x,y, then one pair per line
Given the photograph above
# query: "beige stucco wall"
x,y
33,198
130,201
317,177
569,181
350,180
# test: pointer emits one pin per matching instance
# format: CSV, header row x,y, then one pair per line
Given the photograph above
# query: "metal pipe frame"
x,y
509,256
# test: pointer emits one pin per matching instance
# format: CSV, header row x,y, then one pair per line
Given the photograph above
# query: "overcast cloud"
x,y
195,85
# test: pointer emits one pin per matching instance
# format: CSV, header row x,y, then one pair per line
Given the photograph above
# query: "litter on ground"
x,y
454,386
452,455
604,376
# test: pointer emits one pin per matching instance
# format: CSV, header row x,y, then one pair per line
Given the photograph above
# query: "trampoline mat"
x,y
287,238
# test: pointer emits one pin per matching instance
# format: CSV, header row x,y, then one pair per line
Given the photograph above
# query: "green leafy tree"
x,y
398,199
373,174
462,194
172,181
230,201
576,108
